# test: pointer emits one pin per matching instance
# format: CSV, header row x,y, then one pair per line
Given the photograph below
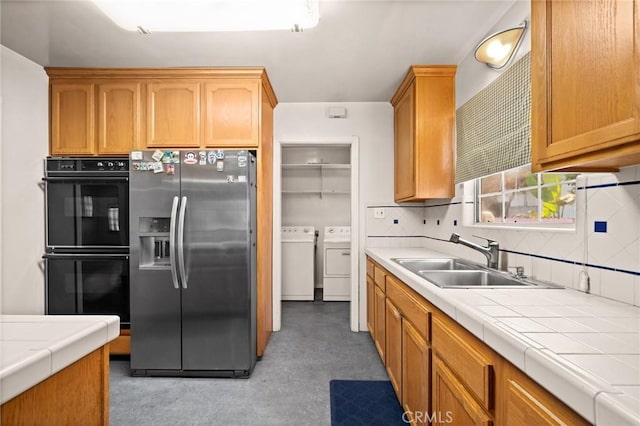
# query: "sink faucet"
x,y
491,251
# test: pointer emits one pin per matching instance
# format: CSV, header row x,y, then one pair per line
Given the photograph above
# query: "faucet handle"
x,y
489,240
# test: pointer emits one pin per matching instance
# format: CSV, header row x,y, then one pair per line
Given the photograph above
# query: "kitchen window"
x,y
517,197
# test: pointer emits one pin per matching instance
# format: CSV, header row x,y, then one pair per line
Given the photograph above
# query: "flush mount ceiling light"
x,y
497,50
147,16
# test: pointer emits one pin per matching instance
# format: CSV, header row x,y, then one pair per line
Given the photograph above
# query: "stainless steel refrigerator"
x,y
193,263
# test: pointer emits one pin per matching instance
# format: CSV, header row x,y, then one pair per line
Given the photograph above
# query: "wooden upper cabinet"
x,y
72,118
424,127
119,118
585,84
173,114
232,113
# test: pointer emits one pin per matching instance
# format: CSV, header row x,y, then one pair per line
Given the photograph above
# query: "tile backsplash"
x,y
612,223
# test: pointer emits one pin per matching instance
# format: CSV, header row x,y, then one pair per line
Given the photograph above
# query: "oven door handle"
x,y
181,216
85,178
172,242
85,255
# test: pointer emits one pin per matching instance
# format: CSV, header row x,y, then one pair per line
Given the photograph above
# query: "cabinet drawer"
x,y
409,306
379,275
472,363
370,268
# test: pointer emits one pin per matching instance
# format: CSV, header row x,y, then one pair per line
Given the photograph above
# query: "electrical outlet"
x,y
378,213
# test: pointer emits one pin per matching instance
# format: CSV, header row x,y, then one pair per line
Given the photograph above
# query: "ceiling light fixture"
x,y
497,50
211,15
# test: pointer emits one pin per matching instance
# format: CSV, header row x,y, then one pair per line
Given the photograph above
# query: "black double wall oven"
x,y
87,237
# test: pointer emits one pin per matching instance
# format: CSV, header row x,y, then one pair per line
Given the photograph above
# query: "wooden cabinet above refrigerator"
x,y
104,111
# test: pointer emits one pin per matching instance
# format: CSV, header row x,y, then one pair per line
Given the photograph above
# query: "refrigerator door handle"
x,y
180,242
172,240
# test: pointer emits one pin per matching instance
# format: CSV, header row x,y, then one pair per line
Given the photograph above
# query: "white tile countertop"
x,y
584,349
34,347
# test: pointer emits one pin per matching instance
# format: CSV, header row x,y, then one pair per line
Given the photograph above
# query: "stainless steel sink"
x,y
458,273
417,265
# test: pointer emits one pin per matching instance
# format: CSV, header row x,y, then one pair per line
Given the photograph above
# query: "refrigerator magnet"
x,y
170,169
211,157
242,161
136,155
219,154
231,178
166,157
158,167
190,158
242,178
203,158
220,166
175,156
135,166
142,166
157,155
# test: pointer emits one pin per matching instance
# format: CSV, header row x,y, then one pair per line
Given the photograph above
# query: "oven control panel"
x,y
83,165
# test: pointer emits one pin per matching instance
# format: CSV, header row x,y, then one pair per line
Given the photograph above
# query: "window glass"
x,y
517,196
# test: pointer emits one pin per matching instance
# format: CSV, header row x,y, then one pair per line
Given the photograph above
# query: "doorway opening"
x,y
315,223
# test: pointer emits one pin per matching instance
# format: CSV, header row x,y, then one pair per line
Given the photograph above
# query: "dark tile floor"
x,y
289,386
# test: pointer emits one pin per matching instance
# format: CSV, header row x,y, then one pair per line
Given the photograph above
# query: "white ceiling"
x,y
359,52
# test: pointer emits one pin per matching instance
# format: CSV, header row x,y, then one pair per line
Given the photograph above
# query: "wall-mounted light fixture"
x,y
497,50
146,16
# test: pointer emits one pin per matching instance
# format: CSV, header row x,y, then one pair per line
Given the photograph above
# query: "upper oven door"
x,y
87,212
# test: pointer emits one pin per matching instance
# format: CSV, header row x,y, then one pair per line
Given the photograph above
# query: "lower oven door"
x,y
87,284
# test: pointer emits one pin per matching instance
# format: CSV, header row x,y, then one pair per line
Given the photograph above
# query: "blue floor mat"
x,y
364,402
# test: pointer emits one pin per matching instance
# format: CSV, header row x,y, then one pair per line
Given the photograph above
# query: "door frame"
x,y
352,142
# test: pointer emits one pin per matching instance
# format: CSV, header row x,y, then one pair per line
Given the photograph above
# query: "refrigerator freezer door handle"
x,y
172,240
180,242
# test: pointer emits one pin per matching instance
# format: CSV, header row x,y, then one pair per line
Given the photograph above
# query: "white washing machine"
x,y
298,262
337,263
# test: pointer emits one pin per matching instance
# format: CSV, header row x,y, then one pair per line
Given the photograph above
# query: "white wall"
x,y
372,123
24,146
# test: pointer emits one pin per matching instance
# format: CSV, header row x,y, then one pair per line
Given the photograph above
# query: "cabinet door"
x,y
416,368
380,335
585,83
173,114
404,127
528,404
119,109
452,402
371,294
72,119
232,113
393,347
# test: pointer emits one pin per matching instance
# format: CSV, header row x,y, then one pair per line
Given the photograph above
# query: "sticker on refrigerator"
x,y
142,166
136,155
242,178
211,157
220,166
203,158
158,167
231,178
242,161
219,154
166,157
135,166
170,169
190,158
157,155
174,156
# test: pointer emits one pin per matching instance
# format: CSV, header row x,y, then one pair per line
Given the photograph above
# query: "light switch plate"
x,y
378,213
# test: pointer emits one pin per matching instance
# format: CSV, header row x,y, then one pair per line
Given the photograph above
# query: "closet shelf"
x,y
315,191
316,166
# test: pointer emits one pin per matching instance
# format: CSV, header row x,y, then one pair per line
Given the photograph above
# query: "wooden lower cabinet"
x,y
442,373
370,306
393,347
416,372
451,401
122,344
76,395
379,315
522,402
